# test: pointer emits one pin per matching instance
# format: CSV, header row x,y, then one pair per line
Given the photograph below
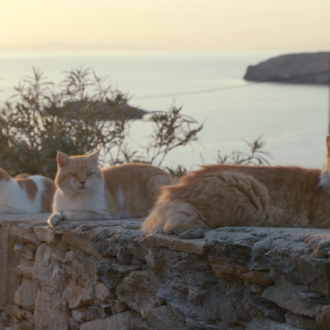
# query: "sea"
x,y
292,120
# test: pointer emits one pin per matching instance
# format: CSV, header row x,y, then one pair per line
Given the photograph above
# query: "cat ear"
x,y
95,156
62,159
328,145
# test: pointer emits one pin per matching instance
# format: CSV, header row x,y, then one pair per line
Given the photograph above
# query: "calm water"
x,y
292,119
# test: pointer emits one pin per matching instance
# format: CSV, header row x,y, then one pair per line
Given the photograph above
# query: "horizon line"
x,y
105,47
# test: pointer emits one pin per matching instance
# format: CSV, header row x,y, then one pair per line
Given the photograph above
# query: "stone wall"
x,y
97,275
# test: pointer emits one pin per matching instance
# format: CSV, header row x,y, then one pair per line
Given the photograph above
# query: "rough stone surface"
x,y
289,296
122,321
163,318
193,233
26,294
268,325
25,270
139,290
109,275
117,306
325,318
103,293
78,296
300,321
46,234
50,311
25,251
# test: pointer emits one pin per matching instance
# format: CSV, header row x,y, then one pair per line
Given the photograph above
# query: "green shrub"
x,y
83,115
255,157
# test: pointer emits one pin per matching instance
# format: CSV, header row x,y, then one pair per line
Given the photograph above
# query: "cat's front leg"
x,y
85,215
55,218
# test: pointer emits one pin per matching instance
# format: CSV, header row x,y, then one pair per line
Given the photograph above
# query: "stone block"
x,y
117,306
126,269
107,248
138,291
269,325
25,325
195,246
156,263
82,243
193,234
257,289
225,269
197,295
51,311
121,321
325,318
48,272
25,270
26,294
74,325
91,313
20,314
78,296
108,275
267,308
163,318
287,295
24,235
46,234
227,307
25,251
103,293
231,285
178,302
201,279
300,321
81,315
137,249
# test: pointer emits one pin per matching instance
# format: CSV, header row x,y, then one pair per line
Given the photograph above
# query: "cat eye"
x,y
73,174
89,174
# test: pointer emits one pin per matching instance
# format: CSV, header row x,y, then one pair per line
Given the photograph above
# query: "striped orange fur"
x,y
234,195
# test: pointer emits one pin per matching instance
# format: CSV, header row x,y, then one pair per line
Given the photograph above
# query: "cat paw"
x,y
54,219
71,215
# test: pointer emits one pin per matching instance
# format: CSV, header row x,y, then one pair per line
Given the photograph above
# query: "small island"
x,y
292,68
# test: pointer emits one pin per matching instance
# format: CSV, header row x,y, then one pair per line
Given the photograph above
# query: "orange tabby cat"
x,y
235,195
84,191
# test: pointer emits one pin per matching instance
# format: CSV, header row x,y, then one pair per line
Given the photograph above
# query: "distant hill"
x,y
105,111
286,68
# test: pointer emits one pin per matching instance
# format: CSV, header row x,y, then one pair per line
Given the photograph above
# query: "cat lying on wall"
x,y
25,193
234,195
84,191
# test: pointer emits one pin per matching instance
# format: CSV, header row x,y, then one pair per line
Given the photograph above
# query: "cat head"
x,y
78,174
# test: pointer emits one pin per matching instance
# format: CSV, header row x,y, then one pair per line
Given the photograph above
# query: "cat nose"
x,y
82,182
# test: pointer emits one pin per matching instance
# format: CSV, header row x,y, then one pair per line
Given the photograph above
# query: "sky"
x,y
165,24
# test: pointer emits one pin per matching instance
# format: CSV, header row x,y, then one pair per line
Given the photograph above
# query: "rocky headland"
x,y
292,68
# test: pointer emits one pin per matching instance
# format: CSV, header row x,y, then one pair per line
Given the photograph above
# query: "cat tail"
x,y
173,217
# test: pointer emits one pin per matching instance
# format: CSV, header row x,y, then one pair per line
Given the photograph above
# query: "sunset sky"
x,y
165,24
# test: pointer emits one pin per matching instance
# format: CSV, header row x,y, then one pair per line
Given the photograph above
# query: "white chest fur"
x,y
80,202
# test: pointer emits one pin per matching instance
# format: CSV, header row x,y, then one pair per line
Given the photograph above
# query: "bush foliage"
x,y
78,116
83,113
255,157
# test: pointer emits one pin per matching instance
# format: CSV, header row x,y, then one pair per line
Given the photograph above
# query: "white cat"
x,y
25,194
